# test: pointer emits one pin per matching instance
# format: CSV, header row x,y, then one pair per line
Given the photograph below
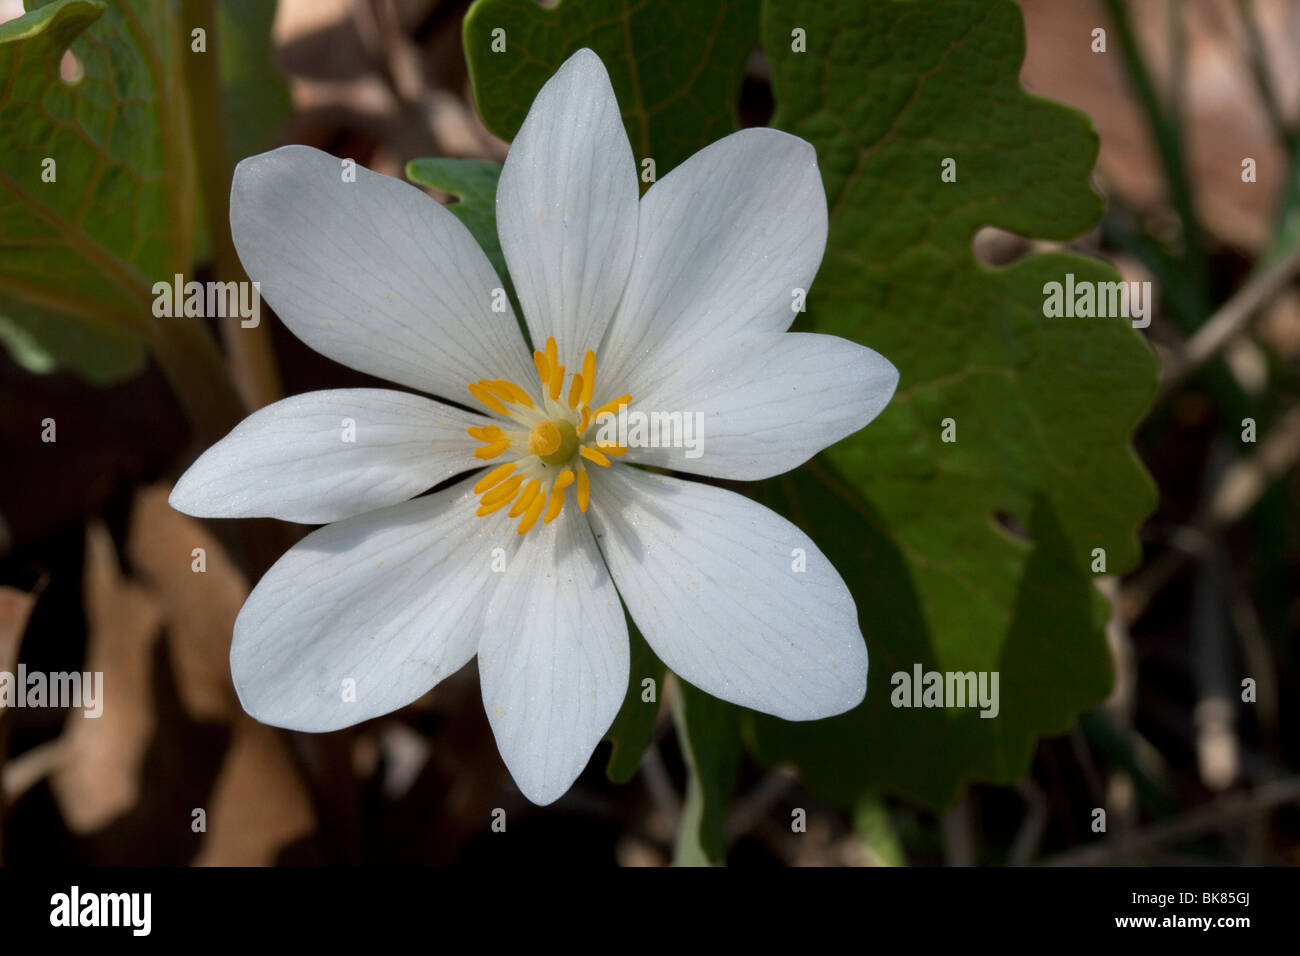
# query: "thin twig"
x,y
1218,814
1243,484
1232,318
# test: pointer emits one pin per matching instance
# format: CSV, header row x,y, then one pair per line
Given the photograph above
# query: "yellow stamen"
x,y
562,481
552,443
510,392
494,476
592,455
530,515
493,387
525,498
612,406
485,510
487,398
544,438
588,376
584,489
502,492
543,366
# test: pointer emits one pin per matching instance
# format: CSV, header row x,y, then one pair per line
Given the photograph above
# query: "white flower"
x,y
677,301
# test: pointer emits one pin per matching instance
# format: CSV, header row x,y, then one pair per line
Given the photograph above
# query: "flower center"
x,y
555,443
552,445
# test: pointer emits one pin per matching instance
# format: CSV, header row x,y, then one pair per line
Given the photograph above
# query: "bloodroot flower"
x,y
677,302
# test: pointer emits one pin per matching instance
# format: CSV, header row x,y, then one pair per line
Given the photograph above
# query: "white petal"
x,y
567,208
392,600
709,578
322,456
554,658
763,405
722,241
374,273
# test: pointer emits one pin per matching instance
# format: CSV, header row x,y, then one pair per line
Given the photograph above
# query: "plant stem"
x,y
249,350
197,375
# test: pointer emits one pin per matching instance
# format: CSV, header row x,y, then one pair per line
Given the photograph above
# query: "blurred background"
x,y
95,567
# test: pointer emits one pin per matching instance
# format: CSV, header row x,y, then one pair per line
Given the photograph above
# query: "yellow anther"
x,y
510,392
543,438
525,498
531,512
592,455
502,492
556,503
583,489
488,509
588,376
487,398
554,445
612,406
543,367
494,476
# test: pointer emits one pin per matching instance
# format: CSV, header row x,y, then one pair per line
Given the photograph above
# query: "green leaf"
x,y
1043,408
676,65
709,731
44,342
473,184
634,727
85,248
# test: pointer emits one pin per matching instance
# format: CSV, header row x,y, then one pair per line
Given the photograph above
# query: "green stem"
x,y
1167,135
193,366
249,350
